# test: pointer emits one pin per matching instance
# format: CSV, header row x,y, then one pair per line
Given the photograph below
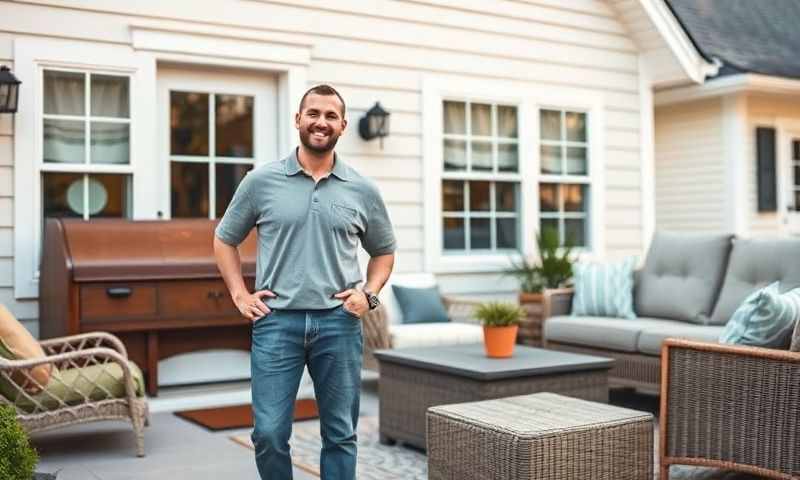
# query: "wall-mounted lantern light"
x,y
9,91
375,123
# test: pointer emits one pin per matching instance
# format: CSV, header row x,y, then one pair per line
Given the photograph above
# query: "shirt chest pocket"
x,y
344,218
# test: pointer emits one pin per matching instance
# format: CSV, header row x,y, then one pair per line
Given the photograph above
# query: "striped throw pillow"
x,y
604,290
766,318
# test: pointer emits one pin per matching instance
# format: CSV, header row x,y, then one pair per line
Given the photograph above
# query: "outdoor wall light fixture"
x,y
9,91
375,123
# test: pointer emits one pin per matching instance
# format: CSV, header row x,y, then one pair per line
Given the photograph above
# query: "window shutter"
x,y
766,174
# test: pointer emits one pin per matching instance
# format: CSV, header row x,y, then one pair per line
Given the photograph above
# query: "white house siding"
x,y
690,170
382,50
767,111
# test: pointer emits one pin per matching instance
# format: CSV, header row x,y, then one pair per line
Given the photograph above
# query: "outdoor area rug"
x,y
375,461
241,416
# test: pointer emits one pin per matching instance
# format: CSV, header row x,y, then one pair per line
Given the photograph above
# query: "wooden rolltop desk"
x,y
155,284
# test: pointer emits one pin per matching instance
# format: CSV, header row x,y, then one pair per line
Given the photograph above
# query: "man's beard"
x,y
305,139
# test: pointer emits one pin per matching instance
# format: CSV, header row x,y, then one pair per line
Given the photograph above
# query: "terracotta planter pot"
x,y
499,341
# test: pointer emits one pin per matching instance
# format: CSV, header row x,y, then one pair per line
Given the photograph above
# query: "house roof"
x,y
746,35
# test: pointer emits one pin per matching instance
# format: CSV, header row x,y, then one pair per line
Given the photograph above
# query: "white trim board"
x,y
745,82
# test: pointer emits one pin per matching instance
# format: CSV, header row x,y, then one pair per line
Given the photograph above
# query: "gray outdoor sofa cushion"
x,y
618,334
681,277
651,337
753,264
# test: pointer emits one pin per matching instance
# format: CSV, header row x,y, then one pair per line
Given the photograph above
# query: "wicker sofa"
x,y
687,288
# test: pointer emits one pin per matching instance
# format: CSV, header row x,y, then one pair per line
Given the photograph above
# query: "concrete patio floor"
x,y
177,449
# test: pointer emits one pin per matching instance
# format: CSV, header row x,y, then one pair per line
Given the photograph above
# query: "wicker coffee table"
x,y
541,436
414,379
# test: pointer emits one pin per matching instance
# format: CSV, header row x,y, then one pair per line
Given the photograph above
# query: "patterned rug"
x,y
375,461
382,462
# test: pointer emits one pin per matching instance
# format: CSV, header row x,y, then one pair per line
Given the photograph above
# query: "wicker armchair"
x,y
376,326
92,380
730,407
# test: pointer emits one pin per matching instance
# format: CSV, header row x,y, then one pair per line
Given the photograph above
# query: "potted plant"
x,y
17,457
553,270
500,323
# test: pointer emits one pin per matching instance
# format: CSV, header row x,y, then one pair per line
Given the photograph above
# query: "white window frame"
x,y
529,98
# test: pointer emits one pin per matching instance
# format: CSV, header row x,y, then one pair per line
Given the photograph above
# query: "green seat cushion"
x,y
72,385
766,318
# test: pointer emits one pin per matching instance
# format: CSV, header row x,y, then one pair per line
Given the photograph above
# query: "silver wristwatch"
x,y
372,299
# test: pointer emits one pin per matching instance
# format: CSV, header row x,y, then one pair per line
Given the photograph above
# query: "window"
x,y
564,181
796,173
211,150
480,179
86,144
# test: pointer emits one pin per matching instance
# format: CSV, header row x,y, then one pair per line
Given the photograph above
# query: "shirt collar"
x,y
292,166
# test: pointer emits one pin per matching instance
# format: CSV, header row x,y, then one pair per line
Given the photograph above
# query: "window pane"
x,y
455,119
481,119
506,196
479,196
797,201
482,156
64,141
188,123
506,121
548,225
452,196
234,121
227,178
454,234
576,161
455,155
796,150
550,125
64,93
110,195
55,201
189,182
507,157
479,233
576,126
506,233
548,197
550,158
110,143
574,198
575,232
797,176
110,96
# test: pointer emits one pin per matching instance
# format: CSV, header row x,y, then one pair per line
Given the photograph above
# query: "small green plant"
x,y
498,314
17,457
554,267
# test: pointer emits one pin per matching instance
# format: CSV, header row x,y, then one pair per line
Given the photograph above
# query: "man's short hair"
x,y
322,90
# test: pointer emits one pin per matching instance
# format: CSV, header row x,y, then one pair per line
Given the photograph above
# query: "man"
x,y
311,210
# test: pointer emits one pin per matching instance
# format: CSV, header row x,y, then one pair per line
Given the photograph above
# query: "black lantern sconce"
x,y
9,91
375,123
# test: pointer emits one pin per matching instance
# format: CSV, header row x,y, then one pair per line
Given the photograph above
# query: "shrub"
x,y
17,457
553,269
497,314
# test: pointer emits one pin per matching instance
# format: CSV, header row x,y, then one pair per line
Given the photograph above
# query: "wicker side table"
x,y
539,436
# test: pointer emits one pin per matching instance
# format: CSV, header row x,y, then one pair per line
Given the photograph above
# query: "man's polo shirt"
x,y
308,233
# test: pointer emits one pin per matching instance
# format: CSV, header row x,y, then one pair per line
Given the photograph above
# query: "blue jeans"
x,y
330,343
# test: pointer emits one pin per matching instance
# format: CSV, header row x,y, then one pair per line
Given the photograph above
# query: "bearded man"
x,y
312,211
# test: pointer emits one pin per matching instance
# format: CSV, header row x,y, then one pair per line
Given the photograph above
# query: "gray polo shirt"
x,y
308,233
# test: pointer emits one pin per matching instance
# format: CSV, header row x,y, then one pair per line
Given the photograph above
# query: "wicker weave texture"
x,y
734,408
540,436
407,392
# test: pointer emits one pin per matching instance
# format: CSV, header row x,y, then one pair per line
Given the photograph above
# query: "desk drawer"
x,y
113,301
196,297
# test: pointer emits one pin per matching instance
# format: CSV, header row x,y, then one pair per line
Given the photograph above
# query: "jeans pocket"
x,y
349,313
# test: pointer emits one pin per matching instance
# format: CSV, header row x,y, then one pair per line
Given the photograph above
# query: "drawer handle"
x,y
118,292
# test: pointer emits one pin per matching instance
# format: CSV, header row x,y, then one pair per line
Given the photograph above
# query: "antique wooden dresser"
x,y
155,284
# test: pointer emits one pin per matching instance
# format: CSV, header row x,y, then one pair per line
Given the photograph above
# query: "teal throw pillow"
x,y
420,305
604,290
766,318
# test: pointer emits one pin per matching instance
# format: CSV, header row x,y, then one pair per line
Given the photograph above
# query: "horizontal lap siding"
x,y
382,50
690,171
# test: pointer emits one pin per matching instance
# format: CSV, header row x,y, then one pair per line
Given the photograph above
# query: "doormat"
x,y
241,416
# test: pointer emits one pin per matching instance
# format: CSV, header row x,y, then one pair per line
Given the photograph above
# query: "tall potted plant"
x,y
552,270
500,323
